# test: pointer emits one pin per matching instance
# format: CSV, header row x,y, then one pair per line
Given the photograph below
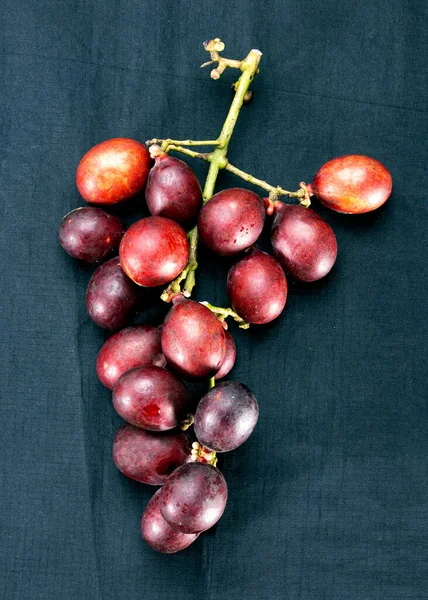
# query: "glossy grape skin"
x,y
111,297
303,242
149,457
113,171
352,184
151,398
257,288
158,534
194,497
154,251
231,221
135,346
229,358
172,189
90,234
193,340
226,416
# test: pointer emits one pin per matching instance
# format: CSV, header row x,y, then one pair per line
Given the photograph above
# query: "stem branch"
x,y
192,153
223,313
168,142
277,190
302,193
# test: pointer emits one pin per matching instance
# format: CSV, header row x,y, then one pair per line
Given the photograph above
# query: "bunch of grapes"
x,y
144,365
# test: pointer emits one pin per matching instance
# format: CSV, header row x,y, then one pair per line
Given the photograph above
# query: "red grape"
x,y
194,497
229,358
231,221
352,184
303,242
90,234
149,457
111,297
158,533
153,251
113,171
172,189
193,340
226,416
151,398
135,346
257,288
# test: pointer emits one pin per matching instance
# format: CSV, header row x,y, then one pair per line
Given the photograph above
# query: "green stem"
x,y
190,281
249,67
223,313
187,274
169,142
192,153
218,157
211,383
279,191
302,193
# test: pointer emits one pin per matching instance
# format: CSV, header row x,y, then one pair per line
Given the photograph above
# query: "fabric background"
x,y
328,499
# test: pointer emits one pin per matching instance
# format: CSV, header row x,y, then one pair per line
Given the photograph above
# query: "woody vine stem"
x,y
217,159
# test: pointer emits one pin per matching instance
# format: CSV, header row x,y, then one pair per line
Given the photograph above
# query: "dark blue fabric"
x,y
328,498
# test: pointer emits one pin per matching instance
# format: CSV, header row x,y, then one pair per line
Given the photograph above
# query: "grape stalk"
x,y
166,441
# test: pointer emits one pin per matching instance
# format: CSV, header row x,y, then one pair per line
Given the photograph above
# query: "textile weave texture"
x,y
328,498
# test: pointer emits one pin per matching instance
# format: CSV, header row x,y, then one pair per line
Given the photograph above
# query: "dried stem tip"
x,y
215,45
155,151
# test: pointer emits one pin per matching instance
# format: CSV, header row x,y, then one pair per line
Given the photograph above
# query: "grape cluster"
x,y
144,365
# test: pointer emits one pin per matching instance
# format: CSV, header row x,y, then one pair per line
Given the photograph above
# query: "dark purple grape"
x,y
90,234
231,221
194,497
111,297
151,398
229,358
193,340
172,189
226,416
257,288
135,346
303,242
159,534
149,457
